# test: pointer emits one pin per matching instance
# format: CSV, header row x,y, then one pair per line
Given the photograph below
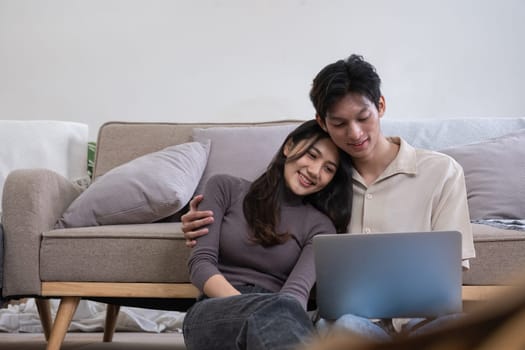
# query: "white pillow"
x,y
57,145
241,151
143,190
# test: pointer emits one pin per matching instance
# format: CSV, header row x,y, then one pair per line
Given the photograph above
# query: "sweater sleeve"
x,y
203,260
302,278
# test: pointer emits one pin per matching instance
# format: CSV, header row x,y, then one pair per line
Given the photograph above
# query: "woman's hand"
x,y
193,221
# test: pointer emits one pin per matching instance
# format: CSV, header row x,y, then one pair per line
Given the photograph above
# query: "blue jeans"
x,y
383,330
254,320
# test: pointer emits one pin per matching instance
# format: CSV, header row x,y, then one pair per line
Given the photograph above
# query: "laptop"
x,y
388,275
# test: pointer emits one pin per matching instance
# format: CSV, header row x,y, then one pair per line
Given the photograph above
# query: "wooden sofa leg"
x,y
111,322
44,311
66,310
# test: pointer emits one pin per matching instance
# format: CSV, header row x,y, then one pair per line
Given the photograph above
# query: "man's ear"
x,y
321,122
382,106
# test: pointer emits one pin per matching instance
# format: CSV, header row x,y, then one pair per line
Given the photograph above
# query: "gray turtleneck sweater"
x,y
228,250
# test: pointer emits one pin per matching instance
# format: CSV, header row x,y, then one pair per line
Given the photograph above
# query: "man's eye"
x,y
364,118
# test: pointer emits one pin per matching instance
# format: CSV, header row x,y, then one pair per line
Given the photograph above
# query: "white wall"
x,y
231,60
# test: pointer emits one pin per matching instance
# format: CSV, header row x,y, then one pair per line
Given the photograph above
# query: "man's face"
x,y
353,125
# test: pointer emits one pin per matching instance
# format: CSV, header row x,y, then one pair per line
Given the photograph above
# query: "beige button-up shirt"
x,y
420,190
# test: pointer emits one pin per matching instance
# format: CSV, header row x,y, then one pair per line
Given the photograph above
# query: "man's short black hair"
x,y
333,82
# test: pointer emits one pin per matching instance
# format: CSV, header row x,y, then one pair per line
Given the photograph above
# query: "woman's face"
x,y
314,170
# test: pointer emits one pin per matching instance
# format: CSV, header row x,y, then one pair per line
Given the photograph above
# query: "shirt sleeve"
x,y
203,260
452,212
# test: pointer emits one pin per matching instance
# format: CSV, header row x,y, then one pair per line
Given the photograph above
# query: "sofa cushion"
x,y
499,256
143,190
154,253
494,175
240,151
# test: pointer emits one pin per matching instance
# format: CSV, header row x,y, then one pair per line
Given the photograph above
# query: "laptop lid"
x,y
388,275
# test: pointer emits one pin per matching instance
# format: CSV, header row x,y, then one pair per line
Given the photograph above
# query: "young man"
x,y
397,188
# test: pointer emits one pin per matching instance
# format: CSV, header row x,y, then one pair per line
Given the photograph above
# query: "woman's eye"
x,y
312,155
330,169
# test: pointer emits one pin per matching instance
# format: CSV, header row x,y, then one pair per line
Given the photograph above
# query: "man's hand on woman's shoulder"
x,y
193,221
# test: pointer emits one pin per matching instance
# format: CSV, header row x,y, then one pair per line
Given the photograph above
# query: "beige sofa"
x,y
121,261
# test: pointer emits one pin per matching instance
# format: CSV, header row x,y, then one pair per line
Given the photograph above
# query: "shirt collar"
x,y
405,161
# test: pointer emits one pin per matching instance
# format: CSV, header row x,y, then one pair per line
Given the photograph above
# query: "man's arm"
x,y
194,221
452,211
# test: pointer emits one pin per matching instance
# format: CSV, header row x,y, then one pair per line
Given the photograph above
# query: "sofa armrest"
x,y
32,202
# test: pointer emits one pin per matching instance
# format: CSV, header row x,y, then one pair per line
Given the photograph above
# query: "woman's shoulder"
x,y
228,179
226,182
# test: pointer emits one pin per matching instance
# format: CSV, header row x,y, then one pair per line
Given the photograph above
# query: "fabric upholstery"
x,y
240,151
33,201
136,253
436,134
495,176
499,256
1,258
143,190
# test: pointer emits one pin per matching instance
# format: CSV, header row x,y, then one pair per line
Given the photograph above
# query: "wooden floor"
x,y
173,341
93,341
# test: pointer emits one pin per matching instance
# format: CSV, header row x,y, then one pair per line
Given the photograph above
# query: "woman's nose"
x,y
314,170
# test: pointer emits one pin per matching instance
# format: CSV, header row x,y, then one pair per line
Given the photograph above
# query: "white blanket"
x,y
90,317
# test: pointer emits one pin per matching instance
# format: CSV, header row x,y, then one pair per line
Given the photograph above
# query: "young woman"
x,y
255,266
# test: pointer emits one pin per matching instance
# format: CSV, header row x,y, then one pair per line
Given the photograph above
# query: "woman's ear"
x,y
288,146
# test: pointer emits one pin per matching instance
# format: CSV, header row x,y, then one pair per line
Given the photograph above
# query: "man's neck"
x,y
372,167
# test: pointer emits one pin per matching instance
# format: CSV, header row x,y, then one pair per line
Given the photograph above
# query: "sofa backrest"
x,y
438,134
120,142
245,149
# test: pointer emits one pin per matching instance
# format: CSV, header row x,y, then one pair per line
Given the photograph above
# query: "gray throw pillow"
x,y
494,175
143,190
241,151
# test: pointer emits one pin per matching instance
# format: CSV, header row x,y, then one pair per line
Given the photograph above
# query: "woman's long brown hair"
x,y
262,203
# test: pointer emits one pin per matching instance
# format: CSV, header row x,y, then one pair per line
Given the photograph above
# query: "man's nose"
x,y
354,131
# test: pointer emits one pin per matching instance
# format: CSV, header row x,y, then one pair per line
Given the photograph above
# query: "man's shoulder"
x,y
434,161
